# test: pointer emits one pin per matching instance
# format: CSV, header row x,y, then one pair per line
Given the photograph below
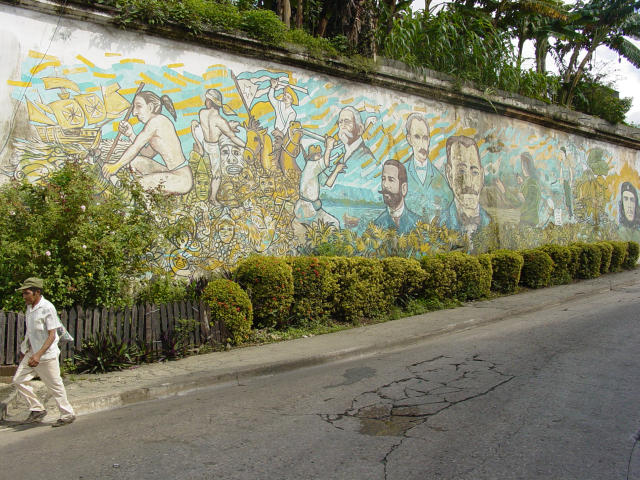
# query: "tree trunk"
x,y
286,12
299,15
575,78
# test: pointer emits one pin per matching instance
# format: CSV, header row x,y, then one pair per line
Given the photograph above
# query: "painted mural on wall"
x,y
265,159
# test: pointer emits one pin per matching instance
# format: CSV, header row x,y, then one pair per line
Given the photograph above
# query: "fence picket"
x,y
164,320
3,338
11,337
80,324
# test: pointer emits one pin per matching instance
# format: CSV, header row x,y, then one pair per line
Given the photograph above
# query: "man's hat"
x,y
31,282
292,94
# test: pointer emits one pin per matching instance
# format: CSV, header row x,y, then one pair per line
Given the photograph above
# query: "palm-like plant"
x,y
592,24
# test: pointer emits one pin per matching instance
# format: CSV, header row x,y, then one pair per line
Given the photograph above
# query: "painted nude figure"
x,y
158,137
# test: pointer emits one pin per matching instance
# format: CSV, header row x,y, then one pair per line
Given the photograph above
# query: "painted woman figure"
x,y
158,137
628,206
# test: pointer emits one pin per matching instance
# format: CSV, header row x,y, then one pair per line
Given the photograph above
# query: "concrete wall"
x,y
273,158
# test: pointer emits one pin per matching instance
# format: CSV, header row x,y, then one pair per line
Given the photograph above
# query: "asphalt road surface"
x,y
552,395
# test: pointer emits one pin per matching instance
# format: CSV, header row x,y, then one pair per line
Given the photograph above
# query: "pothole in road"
x,y
432,386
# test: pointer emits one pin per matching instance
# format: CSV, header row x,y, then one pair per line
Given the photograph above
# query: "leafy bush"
x,y
86,248
618,255
161,289
606,250
589,260
485,262
359,294
507,267
633,250
440,279
263,25
231,307
574,265
536,269
472,279
103,353
175,342
313,288
561,256
403,279
269,283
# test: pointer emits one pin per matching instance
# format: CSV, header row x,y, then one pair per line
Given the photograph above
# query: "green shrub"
x,y
263,25
561,256
605,256
485,261
87,248
403,280
161,289
589,260
175,341
618,255
506,266
440,278
471,277
231,307
536,269
103,353
269,283
359,294
574,264
633,250
313,288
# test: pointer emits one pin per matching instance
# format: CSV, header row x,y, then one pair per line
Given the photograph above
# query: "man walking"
x,y
39,355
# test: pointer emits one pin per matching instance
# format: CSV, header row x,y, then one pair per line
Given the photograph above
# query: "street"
x,y
551,395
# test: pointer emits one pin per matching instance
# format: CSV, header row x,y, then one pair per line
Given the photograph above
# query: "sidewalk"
x,y
93,393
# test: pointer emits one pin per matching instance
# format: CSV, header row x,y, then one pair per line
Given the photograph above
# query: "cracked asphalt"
x,y
550,394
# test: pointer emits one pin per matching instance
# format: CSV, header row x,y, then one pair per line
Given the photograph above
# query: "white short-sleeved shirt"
x,y
40,319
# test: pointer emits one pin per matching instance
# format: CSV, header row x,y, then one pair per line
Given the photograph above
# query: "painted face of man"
x,y
465,175
226,231
347,127
231,159
629,205
393,192
418,138
142,110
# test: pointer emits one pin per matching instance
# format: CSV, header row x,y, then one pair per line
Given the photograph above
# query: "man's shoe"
x,y
61,422
35,416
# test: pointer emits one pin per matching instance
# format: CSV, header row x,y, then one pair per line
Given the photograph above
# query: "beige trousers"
x,y
49,373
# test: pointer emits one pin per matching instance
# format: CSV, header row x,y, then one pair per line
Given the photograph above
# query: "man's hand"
x,y
34,360
125,128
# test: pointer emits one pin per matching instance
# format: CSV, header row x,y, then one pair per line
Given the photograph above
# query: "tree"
x,y
592,24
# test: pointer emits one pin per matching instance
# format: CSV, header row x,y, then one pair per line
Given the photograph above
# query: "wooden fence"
x,y
141,322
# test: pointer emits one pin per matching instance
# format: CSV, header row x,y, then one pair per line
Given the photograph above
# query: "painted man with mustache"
x,y
394,189
429,192
466,179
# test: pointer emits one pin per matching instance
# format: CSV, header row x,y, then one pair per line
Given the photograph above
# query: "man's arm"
x,y
35,358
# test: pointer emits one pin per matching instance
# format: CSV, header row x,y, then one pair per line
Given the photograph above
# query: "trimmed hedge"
x,y
313,287
606,250
359,294
440,278
269,283
485,262
589,260
633,250
230,306
537,268
561,255
471,278
507,267
618,255
403,279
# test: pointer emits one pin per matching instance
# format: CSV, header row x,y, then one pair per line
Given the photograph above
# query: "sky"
x,y
625,77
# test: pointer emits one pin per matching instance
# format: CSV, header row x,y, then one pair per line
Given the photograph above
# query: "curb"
x,y
197,380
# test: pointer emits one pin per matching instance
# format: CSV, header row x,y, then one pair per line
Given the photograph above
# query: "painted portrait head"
x,y
418,137
629,206
393,183
350,126
464,173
